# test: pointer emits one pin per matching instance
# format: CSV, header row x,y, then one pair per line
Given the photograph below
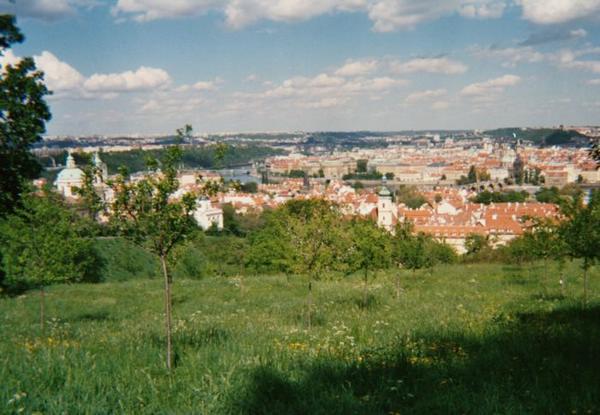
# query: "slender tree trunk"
x,y
366,288
562,283
398,285
169,356
309,304
42,309
585,283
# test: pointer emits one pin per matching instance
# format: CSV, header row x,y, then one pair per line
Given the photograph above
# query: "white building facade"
x,y
207,216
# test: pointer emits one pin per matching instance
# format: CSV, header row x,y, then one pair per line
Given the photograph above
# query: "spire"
x,y
384,191
96,159
71,161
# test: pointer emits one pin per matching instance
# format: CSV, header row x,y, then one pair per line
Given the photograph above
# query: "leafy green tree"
x,y
410,196
518,171
476,243
472,176
440,252
486,197
409,251
23,115
144,212
543,241
90,199
519,251
315,237
415,253
42,243
403,234
581,234
572,191
369,251
548,195
250,187
361,166
270,249
358,185
295,174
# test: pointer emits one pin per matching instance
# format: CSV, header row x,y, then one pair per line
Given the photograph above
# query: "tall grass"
x,y
463,339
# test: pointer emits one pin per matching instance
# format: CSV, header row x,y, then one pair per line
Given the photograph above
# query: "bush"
x,y
44,243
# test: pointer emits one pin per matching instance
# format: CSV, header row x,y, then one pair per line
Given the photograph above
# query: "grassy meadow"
x,y
471,339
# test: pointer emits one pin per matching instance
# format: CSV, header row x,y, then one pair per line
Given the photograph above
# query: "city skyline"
x,y
140,66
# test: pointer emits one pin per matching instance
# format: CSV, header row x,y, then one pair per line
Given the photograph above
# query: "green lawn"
x,y
466,339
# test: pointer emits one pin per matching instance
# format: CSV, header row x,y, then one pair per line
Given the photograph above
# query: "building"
x,y
69,178
101,169
385,209
207,216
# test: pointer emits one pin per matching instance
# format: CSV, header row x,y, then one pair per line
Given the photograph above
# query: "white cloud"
x,y
490,87
357,68
425,95
381,84
325,81
558,11
590,66
568,59
170,105
325,90
386,15
482,10
593,82
390,15
510,57
240,13
59,76
204,86
429,65
144,78
40,9
147,10
325,103
67,82
440,105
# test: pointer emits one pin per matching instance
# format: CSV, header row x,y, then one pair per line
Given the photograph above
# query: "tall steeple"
x,y
385,206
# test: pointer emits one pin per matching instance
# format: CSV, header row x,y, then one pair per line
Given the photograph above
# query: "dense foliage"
x,y
45,243
192,157
23,115
547,136
486,197
410,196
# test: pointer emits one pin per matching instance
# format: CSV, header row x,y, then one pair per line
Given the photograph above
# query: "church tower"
x,y
102,169
385,209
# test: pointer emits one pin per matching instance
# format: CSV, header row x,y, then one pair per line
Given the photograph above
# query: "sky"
x,y
151,66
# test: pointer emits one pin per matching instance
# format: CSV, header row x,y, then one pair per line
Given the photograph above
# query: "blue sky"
x,y
150,66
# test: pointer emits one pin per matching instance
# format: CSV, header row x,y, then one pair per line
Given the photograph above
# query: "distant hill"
x,y
541,136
